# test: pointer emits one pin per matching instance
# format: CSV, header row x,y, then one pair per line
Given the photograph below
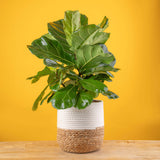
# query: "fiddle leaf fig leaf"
x,y
102,77
110,95
46,97
71,23
55,87
47,48
56,29
73,20
52,63
104,23
65,97
102,68
100,37
46,71
53,79
49,98
84,20
106,52
89,56
39,98
88,35
93,85
109,74
83,100
49,36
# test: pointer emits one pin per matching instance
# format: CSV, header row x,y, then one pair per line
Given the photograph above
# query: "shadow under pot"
x,y
81,131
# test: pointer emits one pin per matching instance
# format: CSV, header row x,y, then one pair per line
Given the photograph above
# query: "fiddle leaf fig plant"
x,y
77,62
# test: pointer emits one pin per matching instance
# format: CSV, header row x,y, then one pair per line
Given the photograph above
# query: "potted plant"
x,y
77,64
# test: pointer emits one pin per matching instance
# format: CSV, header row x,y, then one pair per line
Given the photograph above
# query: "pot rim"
x,y
96,100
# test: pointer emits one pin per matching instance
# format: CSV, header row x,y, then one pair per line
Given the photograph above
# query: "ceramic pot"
x,y
81,131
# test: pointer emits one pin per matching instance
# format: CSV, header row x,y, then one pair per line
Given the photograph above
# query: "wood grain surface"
x,y
111,150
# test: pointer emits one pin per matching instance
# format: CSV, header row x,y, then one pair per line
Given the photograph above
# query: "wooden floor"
x,y
111,150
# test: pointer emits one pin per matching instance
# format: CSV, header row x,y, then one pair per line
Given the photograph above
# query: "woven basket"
x,y
81,131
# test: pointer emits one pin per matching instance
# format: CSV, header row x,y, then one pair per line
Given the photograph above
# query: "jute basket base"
x,y
80,141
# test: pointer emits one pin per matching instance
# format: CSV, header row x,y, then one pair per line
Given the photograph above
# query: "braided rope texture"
x,y
80,141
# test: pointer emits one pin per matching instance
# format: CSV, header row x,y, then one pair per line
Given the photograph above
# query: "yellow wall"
x,y
135,38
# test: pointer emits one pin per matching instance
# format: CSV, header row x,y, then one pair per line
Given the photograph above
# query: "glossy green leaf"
x,y
46,97
50,97
88,35
51,49
100,37
93,94
102,77
83,100
110,95
71,23
57,31
39,98
93,85
73,20
109,74
53,79
55,87
44,72
65,97
49,36
104,23
84,20
102,68
51,63
107,53
89,56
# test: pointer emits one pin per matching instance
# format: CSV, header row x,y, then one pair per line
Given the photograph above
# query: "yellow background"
x,y
134,27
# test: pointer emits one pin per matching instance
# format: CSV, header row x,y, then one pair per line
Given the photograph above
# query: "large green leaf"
x,y
55,77
88,56
55,87
49,36
93,85
39,98
65,97
71,23
102,68
46,97
56,30
84,20
83,100
73,20
48,48
44,72
107,53
88,35
102,77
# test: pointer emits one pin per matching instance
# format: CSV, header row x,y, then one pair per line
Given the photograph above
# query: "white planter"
x,y
81,130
